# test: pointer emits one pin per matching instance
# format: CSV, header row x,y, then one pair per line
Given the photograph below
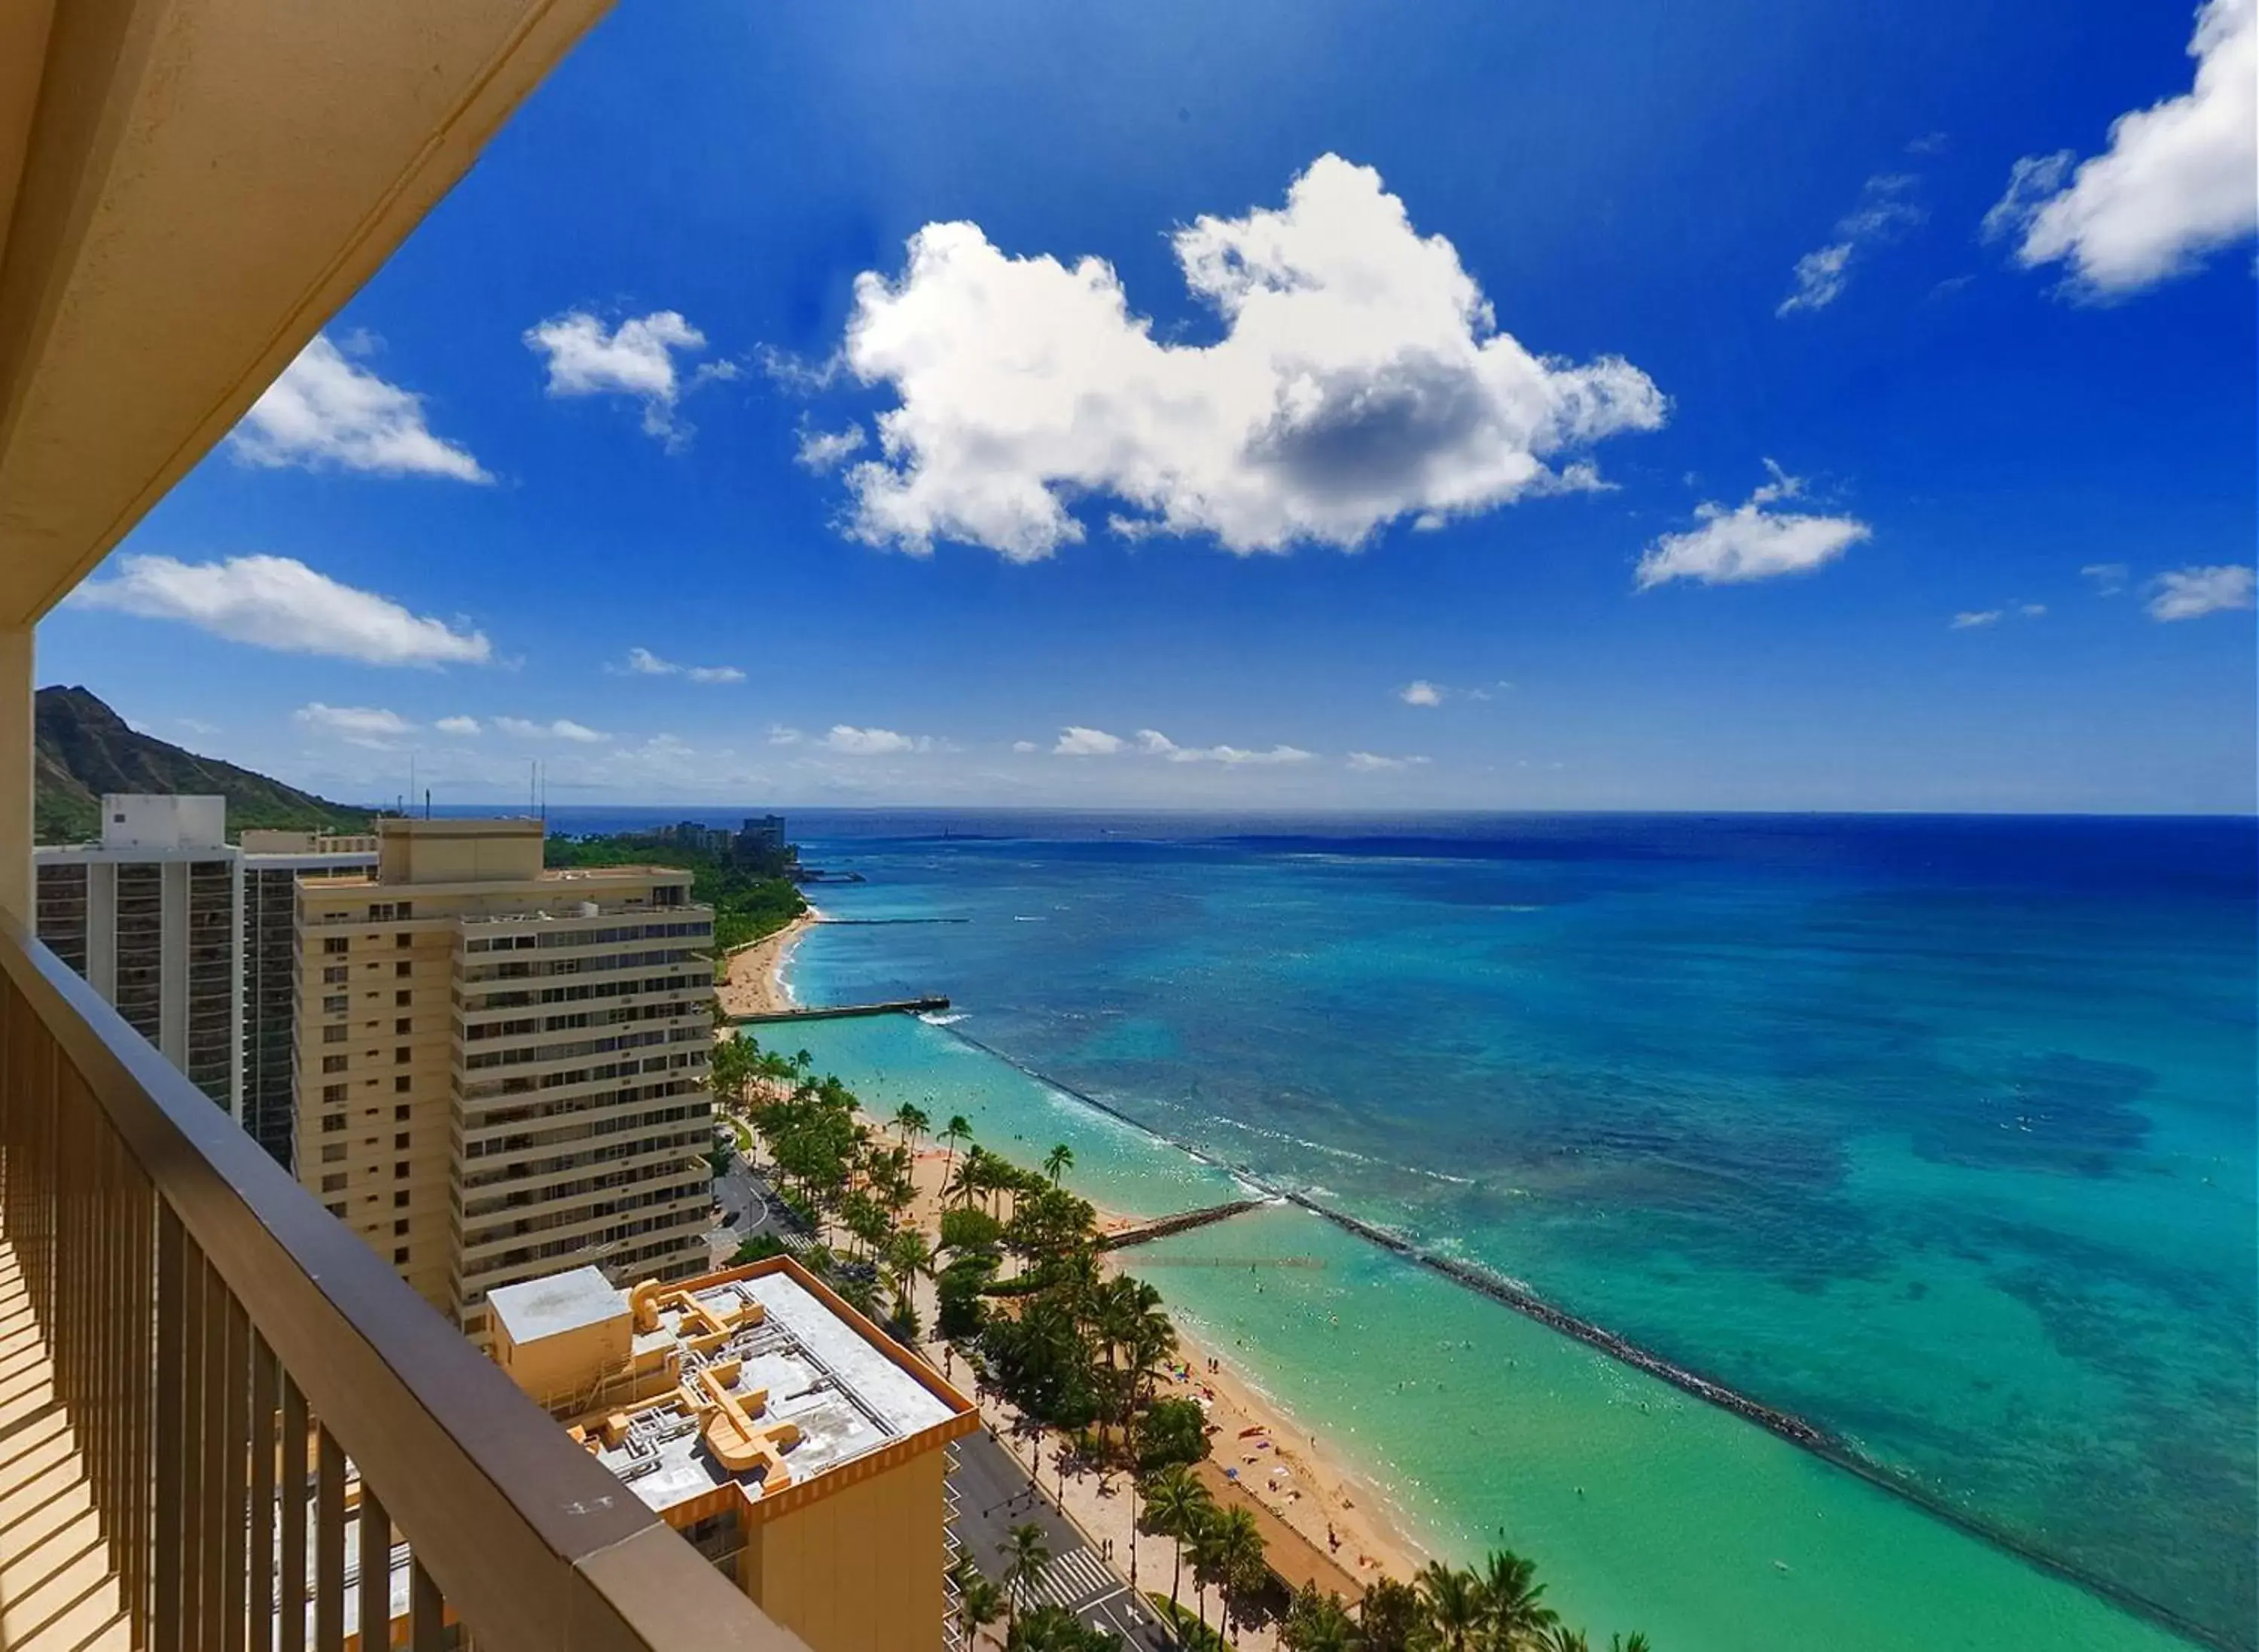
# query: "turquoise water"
x,y
1936,1134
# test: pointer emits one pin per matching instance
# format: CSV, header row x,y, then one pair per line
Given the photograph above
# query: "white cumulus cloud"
x,y
1361,378
456,725
363,725
1751,540
325,411
1079,742
845,737
635,359
1421,693
278,602
2109,577
641,662
1973,619
2188,594
557,729
828,450
2179,180
1371,762
1886,209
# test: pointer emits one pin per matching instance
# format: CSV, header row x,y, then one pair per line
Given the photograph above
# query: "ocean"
x,y
1937,1133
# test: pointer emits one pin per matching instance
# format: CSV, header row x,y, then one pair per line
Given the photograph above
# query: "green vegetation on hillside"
x,y
85,748
746,905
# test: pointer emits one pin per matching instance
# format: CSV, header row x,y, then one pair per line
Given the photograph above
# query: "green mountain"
x,y
85,749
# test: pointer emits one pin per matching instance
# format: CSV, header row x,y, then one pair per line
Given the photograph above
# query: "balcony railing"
x,y
209,1326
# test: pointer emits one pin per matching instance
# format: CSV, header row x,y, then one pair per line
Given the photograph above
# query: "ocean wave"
x,y
936,1018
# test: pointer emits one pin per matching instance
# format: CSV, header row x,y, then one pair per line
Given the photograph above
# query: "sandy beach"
x,y
1285,1466
1288,1469
755,983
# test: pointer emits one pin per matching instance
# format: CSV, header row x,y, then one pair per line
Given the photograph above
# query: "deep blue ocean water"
x,y
1937,1132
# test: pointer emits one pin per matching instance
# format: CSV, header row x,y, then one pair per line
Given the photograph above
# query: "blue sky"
x,y
1592,406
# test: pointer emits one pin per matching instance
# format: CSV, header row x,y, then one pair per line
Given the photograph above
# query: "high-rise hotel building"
x,y
502,1068
191,938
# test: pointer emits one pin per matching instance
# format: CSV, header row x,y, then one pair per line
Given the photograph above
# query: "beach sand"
x,y
1247,1431
755,983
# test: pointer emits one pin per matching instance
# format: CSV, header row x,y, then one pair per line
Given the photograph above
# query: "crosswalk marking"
x,y
1075,1576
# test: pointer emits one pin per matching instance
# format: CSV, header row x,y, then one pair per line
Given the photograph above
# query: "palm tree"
x,y
959,1129
1317,1623
1026,1555
1176,1506
1633,1642
1563,1638
1513,1599
1236,1546
978,1603
1455,1605
1058,1162
912,1121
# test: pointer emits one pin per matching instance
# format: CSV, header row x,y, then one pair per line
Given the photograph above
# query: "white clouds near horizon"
x,y
1361,378
1075,741
1886,209
851,741
2179,180
461,727
1421,693
280,604
360,725
325,411
635,359
1751,540
2191,593
556,729
1373,762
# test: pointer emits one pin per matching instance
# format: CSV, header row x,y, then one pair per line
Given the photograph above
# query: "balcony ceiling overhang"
x,y
188,190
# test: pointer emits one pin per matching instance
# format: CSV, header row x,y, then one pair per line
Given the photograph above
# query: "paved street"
x,y
994,1495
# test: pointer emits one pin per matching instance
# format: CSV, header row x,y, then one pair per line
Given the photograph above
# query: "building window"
x,y
401,969
334,1035
407,911
335,974
399,1256
336,1094
334,1153
338,1211
401,1054
400,1114
402,1026
400,1171
335,946
404,939
333,1063
400,1200
334,1183
399,1142
399,1228
401,1085
334,1004
401,1000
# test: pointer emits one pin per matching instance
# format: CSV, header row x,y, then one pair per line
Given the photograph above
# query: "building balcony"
x,y
211,1393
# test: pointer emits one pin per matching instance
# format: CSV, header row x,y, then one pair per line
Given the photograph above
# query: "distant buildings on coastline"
x,y
758,845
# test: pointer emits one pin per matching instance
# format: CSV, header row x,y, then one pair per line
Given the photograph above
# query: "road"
x,y
993,1495
743,1198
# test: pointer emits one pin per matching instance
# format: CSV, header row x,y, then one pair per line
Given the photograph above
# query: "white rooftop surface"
x,y
556,1302
847,1396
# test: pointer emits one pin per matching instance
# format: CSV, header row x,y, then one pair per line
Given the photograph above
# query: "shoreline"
x,y
1393,1554
754,982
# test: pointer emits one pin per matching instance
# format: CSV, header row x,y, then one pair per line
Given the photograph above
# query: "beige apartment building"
x,y
797,1446
502,1068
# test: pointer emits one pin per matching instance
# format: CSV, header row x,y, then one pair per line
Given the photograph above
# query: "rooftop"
x,y
558,1302
776,1386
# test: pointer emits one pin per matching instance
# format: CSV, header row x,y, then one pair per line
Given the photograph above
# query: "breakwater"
x,y
1183,1222
841,1012
1799,1432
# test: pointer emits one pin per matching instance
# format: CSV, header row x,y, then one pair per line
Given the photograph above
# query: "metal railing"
x,y
209,1326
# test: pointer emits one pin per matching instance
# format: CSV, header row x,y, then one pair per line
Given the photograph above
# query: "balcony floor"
x,y
58,1592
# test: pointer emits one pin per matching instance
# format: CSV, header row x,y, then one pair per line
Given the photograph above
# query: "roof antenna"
x,y
427,802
